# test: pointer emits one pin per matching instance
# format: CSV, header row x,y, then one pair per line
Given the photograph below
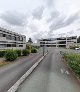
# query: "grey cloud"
x,y
58,23
13,18
33,28
78,29
61,34
37,36
72,19
63,22
53,16
38,12
70,32
50,35
49,3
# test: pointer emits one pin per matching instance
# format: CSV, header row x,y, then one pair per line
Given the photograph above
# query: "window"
x,y
4,35
8,45
20,45
13,45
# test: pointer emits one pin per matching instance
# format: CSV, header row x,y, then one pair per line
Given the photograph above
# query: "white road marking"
x,y
62,71
67,72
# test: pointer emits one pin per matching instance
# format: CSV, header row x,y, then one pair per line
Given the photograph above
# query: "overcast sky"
x,y
41,18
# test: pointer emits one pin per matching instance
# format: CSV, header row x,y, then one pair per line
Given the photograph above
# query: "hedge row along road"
x,y
9,74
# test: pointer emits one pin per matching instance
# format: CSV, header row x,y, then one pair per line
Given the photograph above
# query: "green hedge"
x,y
11,55
33,50
25,52
28,47
73,47
74,62
2,53
19,52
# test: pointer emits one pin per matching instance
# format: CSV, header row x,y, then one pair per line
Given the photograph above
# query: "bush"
x,y
2,53
25,52
27,47
74,62
37,47
73,47
18,52
33,50
11,55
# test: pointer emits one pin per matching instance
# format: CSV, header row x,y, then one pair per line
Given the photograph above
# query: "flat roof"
x,y
56,38
10,32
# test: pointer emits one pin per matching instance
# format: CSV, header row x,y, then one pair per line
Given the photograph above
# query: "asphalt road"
x,y
9,74
52,75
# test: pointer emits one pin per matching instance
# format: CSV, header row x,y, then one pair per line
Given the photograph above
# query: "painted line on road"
x,y
17,84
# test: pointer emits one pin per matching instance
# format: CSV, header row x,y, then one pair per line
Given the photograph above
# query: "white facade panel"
x,y
9,39
63,41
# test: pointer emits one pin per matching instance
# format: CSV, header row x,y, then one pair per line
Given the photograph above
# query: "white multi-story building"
x,y
11,40
58,42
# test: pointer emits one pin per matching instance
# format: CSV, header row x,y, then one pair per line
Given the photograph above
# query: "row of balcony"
x,y
10,37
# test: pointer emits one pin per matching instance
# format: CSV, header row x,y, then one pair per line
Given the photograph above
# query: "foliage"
x,y
29,47
73,47
30,40
25,52
11,55
33,50
18,52
37,47
2,53
74,62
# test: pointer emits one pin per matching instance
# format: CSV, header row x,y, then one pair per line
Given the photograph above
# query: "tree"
x,y
30,40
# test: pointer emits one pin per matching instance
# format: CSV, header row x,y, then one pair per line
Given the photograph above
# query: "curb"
x,y
17,84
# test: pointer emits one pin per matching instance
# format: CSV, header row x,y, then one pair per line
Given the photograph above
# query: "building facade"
x,y
58,42
11,40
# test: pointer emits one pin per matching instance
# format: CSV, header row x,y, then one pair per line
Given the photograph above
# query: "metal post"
x,y
43,50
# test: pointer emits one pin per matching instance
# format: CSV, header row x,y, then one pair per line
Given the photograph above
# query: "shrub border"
x,y
74,74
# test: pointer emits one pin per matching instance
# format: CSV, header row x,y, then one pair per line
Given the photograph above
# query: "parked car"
x,y
77,48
